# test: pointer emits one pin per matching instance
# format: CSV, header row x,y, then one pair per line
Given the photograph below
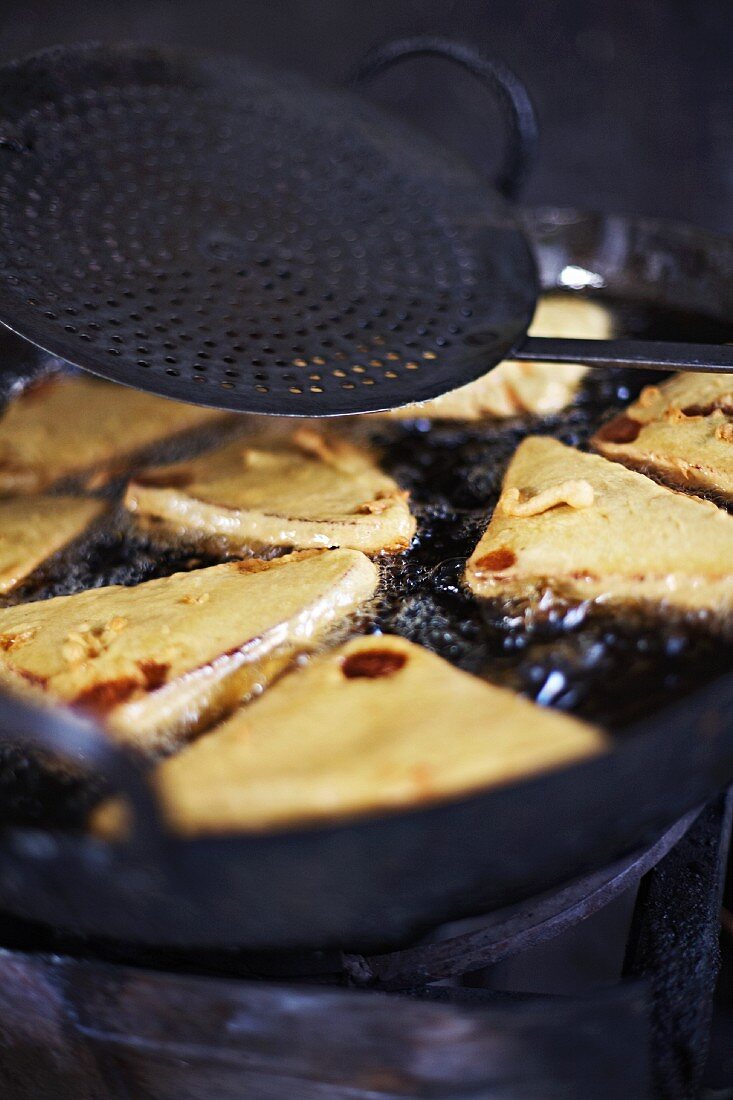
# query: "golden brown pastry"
x,y
306,490
34,528
584,528
680,431
162,660
375,724
515,387
64,427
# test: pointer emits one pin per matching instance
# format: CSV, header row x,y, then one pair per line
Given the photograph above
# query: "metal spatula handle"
x,y
647,354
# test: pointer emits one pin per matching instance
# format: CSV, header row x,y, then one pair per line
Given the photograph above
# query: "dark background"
x,y
635,97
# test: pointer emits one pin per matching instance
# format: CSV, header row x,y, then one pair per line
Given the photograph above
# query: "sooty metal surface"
x,y
223,235
114,1011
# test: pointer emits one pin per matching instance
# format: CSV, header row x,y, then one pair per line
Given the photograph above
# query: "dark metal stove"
x,y
102,1021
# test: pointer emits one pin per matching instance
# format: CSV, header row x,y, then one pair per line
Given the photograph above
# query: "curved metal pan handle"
x,y
81,742
521,122
508,91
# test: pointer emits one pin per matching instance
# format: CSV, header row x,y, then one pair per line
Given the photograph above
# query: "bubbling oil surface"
x,y
609,669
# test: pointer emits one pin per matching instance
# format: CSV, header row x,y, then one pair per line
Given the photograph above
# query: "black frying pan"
x,y
363,883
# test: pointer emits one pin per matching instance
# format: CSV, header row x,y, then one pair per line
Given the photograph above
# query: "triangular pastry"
x,y
63,426
162,660
377,723
515,387
584,528
34,528
306,490
681,432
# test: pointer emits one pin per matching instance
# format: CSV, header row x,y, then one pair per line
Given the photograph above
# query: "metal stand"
x,y
97,1029
674,946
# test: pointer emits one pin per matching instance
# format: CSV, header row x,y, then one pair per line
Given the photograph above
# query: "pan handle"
x,y
81,742
646,354
508,91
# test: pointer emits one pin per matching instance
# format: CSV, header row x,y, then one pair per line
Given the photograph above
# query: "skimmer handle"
x,y
646,354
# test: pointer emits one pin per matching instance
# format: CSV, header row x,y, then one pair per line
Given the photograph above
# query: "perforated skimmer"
x,y
225,235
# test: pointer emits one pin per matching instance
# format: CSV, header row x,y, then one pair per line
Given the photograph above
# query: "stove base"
x,y
93,1030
